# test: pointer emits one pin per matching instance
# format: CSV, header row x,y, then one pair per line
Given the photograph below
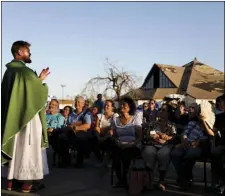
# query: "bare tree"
x,y
118,81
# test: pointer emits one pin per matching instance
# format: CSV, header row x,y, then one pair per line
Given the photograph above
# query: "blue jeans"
x,y
218,161
152,154
184,160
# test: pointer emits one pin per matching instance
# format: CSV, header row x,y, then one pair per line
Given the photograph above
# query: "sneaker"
x,y
13,185
10,185
27,188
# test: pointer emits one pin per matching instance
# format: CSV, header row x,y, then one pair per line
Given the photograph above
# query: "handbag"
x,y
138,177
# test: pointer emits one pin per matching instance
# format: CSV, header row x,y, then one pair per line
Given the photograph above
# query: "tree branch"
x,y
115,80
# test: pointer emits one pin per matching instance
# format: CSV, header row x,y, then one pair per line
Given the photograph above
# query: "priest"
x,y
23,121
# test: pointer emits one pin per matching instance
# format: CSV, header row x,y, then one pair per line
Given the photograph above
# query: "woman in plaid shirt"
x,y
184,155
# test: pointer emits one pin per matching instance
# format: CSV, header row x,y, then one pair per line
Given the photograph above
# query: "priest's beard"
x,y
27,59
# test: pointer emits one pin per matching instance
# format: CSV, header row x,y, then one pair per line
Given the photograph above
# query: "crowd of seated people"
x,y
176,136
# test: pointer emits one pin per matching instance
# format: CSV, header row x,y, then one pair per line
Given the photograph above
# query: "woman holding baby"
x,y
161,144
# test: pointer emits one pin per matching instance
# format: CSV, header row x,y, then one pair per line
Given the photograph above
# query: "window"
x,y
149,84
164,81
158,80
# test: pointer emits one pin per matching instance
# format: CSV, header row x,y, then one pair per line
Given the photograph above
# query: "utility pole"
x,y
63,86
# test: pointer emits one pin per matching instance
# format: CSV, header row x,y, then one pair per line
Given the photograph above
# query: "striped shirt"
x,y
126,133
84,116
194,132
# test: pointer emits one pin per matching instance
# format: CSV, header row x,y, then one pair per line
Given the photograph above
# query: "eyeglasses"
x,y
145,106
152,103
191,107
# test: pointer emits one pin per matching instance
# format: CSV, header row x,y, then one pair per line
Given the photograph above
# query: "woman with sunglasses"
x,y
145,106
127,133
150,114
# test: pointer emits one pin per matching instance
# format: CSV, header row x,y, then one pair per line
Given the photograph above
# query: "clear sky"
x,y
74,38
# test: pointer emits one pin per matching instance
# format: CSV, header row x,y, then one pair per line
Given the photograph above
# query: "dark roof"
x,y
203,81
194,62
204,85
174,73
194,78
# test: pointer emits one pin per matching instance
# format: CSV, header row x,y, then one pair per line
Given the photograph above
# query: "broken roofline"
x,y
161,66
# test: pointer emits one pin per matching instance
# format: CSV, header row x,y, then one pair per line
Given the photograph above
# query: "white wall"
x,y
189,100
140,102
61,106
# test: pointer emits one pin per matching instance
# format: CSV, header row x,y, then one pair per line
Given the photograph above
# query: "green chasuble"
x,y
23,96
